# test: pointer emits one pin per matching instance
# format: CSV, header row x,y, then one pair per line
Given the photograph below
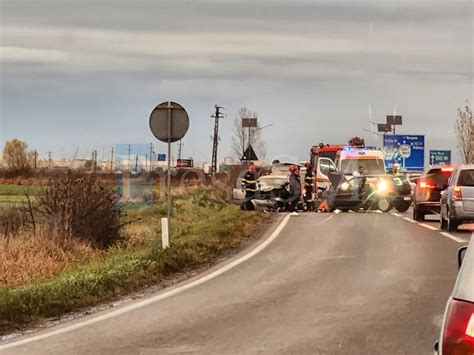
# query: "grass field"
x,y
10,194
17,190
43,277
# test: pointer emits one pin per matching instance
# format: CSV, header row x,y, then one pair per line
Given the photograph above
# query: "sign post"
x,y
248,122
169,123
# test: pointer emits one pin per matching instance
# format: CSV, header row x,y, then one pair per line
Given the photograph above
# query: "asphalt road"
x,y
344,283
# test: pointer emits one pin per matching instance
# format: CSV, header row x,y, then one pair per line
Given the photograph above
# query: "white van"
x,y
370,161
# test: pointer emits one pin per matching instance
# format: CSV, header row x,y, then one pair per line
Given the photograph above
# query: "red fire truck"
x,y
323,157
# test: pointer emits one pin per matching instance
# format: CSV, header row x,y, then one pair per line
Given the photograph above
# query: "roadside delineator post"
x,y
165,237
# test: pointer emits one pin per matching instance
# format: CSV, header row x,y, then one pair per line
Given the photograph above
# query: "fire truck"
x,y
323,157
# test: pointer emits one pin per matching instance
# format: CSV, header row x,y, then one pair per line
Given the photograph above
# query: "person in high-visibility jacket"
x,y
250,184
396,169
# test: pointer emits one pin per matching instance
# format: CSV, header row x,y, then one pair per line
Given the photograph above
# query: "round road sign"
x,y
405,150
169,122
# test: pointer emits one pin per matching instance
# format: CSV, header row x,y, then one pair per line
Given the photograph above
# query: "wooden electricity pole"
x,y
215,139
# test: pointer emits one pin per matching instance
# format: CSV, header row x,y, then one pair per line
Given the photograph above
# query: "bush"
x,y
81,208
12,220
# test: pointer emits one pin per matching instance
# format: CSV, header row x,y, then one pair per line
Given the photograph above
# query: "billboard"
x,y
407,150
440,157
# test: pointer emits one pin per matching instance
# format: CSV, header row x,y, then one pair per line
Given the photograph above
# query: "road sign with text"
x,y
440,157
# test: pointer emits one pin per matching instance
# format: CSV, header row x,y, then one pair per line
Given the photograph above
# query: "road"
x,y
348,283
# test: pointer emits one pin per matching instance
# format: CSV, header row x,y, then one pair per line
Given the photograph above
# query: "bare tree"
x,y
465,134
15,154
240,139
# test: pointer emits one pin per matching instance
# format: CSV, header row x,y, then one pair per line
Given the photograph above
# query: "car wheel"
x,y
402,206
417,214
452,225
384,205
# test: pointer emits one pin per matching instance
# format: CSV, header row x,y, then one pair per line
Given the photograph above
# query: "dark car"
x,y
457,332
369,192
427,193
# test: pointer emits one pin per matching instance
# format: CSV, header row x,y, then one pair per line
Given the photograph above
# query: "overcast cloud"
x,y
86,74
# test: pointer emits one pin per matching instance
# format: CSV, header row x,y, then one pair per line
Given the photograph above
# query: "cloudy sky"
x,y
86,74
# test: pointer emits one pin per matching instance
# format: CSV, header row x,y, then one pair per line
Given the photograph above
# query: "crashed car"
x,y
376,192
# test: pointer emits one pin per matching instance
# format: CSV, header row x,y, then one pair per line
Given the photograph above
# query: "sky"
x,y
83,75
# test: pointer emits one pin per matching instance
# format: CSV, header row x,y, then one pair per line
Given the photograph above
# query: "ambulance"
x,y
356,159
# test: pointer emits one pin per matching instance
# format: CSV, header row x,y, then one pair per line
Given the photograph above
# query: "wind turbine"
x,y
373,125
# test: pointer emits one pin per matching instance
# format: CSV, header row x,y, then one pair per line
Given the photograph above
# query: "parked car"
x,y
457,201
457,331
427,193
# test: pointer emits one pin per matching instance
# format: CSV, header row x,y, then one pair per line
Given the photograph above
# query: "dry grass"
x,y
26,258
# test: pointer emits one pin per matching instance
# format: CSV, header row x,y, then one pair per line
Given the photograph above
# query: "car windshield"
x,y
369,166
330,155
466,178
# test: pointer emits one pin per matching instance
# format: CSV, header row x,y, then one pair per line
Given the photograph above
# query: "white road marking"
x,y
450,236
428,226
157,298
328,219
444,234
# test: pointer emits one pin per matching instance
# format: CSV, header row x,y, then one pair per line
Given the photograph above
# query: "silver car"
x,y
457,201
457,332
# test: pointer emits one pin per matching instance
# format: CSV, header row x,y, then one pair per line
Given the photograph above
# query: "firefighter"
x,y
295,201
308,185
251,186
396,169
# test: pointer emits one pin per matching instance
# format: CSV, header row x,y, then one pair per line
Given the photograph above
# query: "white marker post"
x,y
165,236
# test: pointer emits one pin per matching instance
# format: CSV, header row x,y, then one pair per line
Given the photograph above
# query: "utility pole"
x,y
180,148
94,160
136,164
112,159
215,138
35,153
151,156
50,162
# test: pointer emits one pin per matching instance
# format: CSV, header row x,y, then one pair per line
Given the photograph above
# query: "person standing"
x,y
396,169
308,185
250,184
295,200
